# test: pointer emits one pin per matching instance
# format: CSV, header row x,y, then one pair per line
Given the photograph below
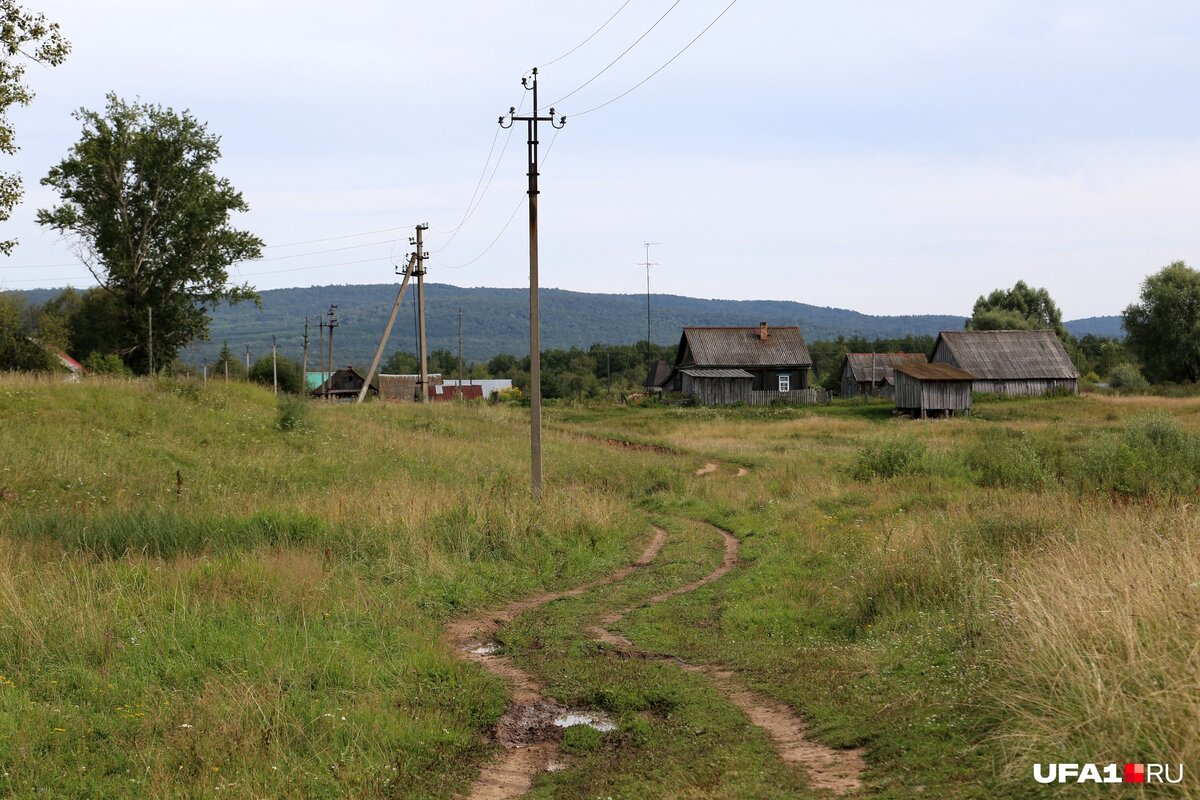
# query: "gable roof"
x,y
934,372
861,364
1006,355
659,374
742,347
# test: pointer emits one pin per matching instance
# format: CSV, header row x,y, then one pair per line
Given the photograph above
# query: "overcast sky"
x,y
889,158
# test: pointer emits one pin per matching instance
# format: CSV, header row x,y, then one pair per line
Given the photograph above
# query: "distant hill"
x,y
497,320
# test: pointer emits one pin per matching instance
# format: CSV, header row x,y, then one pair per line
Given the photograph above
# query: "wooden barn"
x,y
870,374
657,376
932,390
343,385
754,365
1009,362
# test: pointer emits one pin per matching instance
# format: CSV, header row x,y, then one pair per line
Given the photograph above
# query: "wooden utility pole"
x,y
304,363
649,346
274,366
333,323
206,370
422,342
387,331
150,311
460,361
535,355
321,352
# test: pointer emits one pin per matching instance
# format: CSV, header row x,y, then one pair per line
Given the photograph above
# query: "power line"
x,y
588,39
316,252
334,238
473,204
660,69
511,217
622,55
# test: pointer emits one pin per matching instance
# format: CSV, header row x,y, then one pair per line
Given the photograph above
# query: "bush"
x,y
1126,376
106,364
1002,459
290,379
292,413
887,458
1151,456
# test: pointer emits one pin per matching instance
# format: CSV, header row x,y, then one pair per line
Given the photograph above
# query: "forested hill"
x,y
497,320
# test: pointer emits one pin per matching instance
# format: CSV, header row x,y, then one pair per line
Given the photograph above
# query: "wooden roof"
x,y
861,364
1006,355
742,347
934,372
659,374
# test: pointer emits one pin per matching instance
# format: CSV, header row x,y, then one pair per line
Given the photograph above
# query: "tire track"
x,y
839,771
526,731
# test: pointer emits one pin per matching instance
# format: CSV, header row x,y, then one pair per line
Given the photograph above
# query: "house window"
x,y
785,383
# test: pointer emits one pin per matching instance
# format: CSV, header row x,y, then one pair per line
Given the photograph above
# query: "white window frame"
x,y
785,383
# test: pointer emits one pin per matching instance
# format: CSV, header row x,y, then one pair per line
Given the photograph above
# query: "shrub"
x,y
1151,456
1002,459
106,364
887,458
291,413
1126,376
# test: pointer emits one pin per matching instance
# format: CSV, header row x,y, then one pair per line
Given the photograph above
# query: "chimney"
x,y
762,332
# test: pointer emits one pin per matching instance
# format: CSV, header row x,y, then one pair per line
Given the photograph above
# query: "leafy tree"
x,y
1163,330
151,221
1126,376
23,34
401,363
1019,308
290,378
17,350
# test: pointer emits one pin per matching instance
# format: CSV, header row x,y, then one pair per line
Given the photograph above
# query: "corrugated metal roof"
x,y
1008,355
934,372
742,347
861,363
716,373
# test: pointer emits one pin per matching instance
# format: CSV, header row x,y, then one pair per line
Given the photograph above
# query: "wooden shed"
x,y
1009,362
716,387
870,374
937,390
343,386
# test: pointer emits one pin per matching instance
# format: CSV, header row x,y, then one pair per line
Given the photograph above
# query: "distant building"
x,y
486,386
932,390
1009,362
401,388
753,365
342,385
870,374
657,376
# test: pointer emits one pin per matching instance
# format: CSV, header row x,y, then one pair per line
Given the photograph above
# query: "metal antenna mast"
x,y
649,346
535,356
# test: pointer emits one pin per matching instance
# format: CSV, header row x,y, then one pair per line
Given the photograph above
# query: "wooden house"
x,y
870,374
1009,362
753,365
657,376
937,390
403,388
343,385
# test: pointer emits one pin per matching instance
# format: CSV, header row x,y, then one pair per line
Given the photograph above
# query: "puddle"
x,y
597,721
489,649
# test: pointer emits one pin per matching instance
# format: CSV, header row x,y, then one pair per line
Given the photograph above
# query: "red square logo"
x,y
1135,773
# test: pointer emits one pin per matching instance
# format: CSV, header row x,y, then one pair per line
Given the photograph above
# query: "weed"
x,y
888,458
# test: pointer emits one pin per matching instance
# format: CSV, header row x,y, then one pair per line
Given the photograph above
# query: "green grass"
x,y
203,593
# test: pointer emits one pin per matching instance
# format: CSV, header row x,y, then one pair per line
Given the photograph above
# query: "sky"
x,y
888,158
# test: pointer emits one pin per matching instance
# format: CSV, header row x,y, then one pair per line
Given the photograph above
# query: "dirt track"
x,y
839,771
526,731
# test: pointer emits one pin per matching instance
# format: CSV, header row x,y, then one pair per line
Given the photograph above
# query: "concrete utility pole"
x,y
649,347
274,366
206,370
247,361
422,343
333,323
304,363
535,355
387,331
460,363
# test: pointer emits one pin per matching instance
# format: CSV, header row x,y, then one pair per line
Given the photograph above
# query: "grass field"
x,y
205,594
